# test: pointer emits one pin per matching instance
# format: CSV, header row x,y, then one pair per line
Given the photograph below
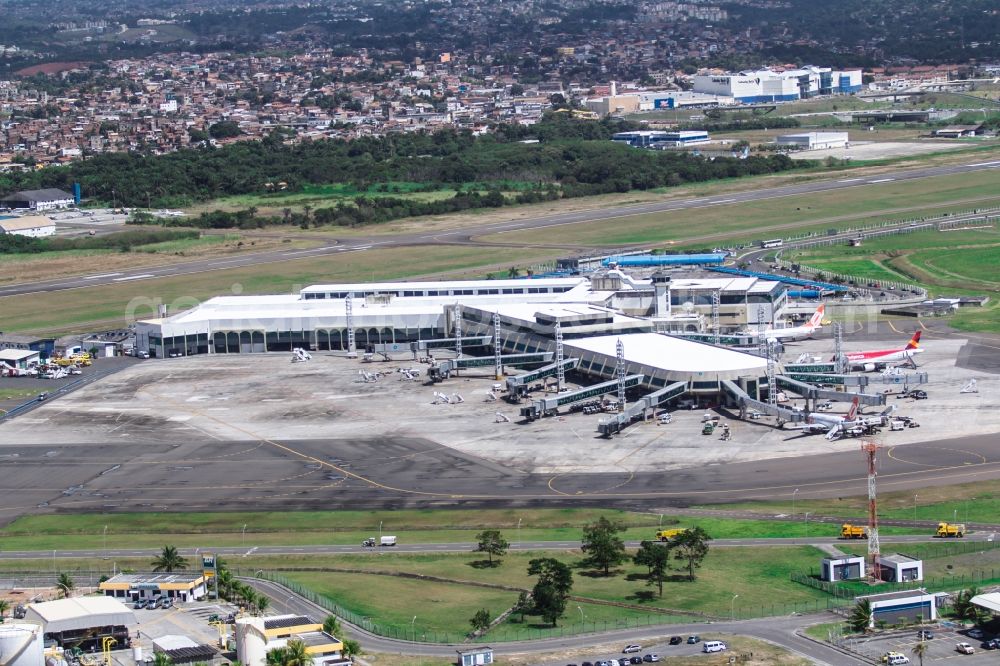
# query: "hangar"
x,y
83,622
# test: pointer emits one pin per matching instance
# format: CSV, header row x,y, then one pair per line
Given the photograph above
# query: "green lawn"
x,y
187,244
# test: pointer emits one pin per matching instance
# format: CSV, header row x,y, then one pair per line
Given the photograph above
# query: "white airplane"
x,y
792,333
833,424
868,360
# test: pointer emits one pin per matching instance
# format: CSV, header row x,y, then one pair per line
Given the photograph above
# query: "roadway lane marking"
x,y
984,164
881,180
97,277
134,277
722,201
850,180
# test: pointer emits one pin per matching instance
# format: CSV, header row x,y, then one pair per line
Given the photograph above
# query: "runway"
x,y
468,235
397,472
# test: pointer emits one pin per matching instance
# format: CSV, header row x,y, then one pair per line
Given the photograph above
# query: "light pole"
x,y
519,533
794,492
583,616
807,517
244,535
105,542
914,508
732,607
413,629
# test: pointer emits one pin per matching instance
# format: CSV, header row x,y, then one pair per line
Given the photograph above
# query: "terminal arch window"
x,y
232,343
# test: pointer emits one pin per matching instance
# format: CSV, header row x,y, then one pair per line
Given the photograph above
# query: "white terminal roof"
x,y
670,353
79,613
990,602
375,287
16,354
528,311
25,222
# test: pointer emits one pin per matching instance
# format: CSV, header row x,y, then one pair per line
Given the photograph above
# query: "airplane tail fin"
x,y
817,317
914,341
853,411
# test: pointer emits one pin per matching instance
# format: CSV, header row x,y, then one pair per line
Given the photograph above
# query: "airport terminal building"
x,y
591,313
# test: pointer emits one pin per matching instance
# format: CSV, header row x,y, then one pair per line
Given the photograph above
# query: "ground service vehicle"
x,y
369,542
708,428
387,541
848,531
666,535
949,530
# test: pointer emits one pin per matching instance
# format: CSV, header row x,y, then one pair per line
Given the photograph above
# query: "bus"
x,y
771,243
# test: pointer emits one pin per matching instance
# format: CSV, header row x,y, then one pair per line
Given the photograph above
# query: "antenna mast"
x,y
870,448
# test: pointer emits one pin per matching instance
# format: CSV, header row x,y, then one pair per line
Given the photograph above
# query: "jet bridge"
x,y
448,343
617,422
517,385
550,404
443,369
859,380
745,403
813,392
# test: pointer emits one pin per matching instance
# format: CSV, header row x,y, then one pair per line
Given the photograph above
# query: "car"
x,y
167,603
586,663
174,353
42,396
925,635
139,604
965,648
694,639
142,354
992,644
635,660
629,649
651,657
624,661
974,633
676,640
150,604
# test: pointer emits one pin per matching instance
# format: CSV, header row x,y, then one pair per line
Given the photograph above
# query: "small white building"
x,y
256,636
34,226
18,358
814,140
848,567
907,606
475,656
897,568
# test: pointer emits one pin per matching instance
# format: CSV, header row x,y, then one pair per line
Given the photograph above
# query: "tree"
x,y
293,654
860,619
602,544
963,607
491,543
555,580
691,547
169,560
481,620
66,585
4,606
656,557
351,647
523,605
331,625
919,650
162,659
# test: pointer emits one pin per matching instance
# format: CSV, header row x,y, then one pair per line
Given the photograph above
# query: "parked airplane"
x,y
834,424
797,332
869,360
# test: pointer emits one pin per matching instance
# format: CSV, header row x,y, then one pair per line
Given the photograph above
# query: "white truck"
x,y
387,541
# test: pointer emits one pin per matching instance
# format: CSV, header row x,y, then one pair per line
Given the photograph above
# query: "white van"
x,y
896,659
713,646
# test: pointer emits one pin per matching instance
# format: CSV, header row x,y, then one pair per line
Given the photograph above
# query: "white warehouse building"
x,y
767,86
814,140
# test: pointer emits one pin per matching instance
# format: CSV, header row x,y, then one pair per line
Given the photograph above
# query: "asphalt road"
x,y
468,235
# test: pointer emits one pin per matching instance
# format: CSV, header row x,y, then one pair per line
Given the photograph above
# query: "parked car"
x,y
139,604
635,660
992,644
965,648
925,635
974,633
651,657
694,639
629,649
676,640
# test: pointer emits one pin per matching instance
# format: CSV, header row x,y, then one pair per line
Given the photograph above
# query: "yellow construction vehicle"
x,y
666,535
949,530
849,531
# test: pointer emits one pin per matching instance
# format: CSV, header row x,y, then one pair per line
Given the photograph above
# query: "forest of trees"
x,y
572,158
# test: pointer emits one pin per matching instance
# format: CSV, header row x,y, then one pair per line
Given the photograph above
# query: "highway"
x,y
467,235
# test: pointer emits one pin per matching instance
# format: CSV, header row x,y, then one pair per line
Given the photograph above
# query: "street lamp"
x,y
914,508
105,542
807,517
583,616
244,534
518,532
732,607
794,492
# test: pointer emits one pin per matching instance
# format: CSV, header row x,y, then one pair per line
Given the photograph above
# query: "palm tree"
x,y
331,625
66,585
296,654
4,606
919,650
169,560
262,604
351,647
276,657
162,659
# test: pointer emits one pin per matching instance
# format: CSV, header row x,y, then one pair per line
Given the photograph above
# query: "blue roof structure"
x,y
798,282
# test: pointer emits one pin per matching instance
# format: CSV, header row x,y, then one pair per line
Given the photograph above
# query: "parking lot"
x,y
184,619
647,653
939,648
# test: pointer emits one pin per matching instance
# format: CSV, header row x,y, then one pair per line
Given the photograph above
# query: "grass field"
x,y
151,530
842,208
115,305
17,394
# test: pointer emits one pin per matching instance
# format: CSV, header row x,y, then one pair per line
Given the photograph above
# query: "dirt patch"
x,y
50,68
